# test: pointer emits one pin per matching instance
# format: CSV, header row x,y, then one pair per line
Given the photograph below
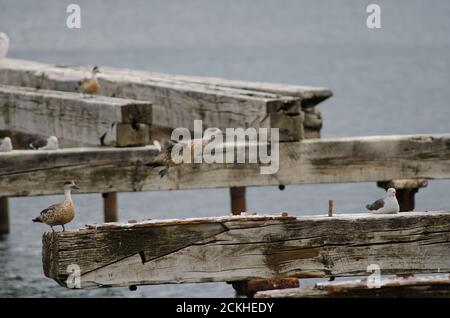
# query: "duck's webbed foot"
x,y
64,229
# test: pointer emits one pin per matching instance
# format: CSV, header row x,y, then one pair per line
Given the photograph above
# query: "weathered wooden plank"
x,y
357,159
427,286
235,248
175,103
72,117
310,95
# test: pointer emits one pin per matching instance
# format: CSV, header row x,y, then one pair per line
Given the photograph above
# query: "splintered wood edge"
x,y
207,220
244,218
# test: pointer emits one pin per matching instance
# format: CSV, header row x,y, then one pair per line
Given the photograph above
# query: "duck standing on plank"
x,y
90,85
61,213
387,205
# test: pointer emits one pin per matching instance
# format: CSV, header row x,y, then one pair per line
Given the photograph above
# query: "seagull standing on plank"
x,y
387,205
6,145
61,213
90,86
51,143
4,45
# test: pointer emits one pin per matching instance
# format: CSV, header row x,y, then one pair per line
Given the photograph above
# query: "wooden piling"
x,y
4,215
238,202
110,206
330,208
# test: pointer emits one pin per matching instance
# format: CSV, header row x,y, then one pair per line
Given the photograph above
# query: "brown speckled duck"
x,y
61,213
91,85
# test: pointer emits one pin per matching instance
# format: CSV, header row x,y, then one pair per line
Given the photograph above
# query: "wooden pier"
x,y
178,102
107,147
236,248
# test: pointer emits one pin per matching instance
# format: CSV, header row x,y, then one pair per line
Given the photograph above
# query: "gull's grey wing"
x,y
38,143
378,204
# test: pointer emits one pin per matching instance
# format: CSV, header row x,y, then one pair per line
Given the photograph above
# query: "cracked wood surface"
x,y
74,118
234,248
355,159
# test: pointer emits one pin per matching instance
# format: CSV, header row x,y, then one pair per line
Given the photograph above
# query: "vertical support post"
x,y
4,215
406,190
110,206
238,202
406,199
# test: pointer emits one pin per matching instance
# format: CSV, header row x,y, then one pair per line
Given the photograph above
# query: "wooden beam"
x,y
74,118
4,215
428,286
235,248
175,103
310,95
356,159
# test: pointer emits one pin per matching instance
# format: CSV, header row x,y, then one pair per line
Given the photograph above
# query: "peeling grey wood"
x,y
175,103
357,159
74,118
246,247
437,285
310,95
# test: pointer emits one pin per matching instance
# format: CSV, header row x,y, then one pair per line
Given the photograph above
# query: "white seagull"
x,y
387,205
51,143
6,145
4,45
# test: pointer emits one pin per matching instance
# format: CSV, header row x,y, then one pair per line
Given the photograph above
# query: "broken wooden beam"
x,y
356,159
74,118
422,286
236,248
309,95
175,103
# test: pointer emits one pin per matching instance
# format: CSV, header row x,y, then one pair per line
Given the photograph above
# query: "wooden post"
x,y
4,215
238,202
110,206
406,190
